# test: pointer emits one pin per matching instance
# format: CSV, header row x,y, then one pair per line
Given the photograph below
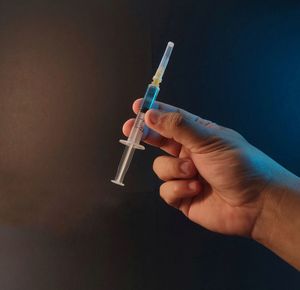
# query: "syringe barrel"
x,y
137,130
149,98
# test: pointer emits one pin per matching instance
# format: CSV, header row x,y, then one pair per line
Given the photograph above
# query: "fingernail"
x,y
154,116
185,167
193,185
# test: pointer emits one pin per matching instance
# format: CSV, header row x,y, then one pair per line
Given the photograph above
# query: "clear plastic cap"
x,y
163,63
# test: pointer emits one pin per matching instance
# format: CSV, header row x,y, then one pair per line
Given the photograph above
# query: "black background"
x,y
69,71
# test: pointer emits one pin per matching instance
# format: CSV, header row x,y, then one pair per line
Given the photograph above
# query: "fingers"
x,y
193,135
153,138
169,108
182,182
129,124
165,108
174,192
167,168
166,142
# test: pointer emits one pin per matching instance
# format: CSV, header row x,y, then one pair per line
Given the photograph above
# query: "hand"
x,y
214,176
220,181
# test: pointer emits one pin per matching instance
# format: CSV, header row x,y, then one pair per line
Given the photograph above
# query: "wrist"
x,y
276,225
272,197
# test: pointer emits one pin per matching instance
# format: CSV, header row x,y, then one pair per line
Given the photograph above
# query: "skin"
x,y
221,182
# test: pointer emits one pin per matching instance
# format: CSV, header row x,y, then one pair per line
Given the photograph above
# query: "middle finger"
x,y
168,168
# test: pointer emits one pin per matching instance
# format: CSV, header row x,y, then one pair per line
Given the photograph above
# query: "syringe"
x,y
136,133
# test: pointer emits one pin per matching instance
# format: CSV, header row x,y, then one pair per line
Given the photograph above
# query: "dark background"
x,y
69,71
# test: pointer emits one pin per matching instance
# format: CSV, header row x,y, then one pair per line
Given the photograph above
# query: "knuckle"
x,y
175,119
176,188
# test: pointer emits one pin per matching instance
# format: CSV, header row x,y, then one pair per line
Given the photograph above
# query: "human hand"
x,y
213,175
218,179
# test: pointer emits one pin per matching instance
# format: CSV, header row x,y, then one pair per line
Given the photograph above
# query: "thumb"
x,y
174,125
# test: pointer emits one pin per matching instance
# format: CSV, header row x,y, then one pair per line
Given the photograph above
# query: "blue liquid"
x,y
149,98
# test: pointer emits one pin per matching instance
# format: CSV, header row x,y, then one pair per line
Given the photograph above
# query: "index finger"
x,y
168,108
